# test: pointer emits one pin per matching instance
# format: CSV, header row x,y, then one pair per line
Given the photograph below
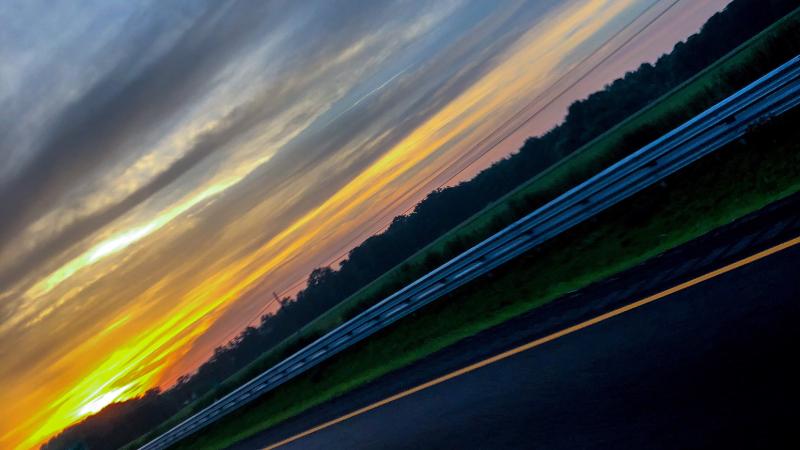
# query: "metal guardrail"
x,y
770,95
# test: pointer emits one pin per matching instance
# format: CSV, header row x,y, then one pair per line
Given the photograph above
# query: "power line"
x,y
381,216
382,213
575,83
541,95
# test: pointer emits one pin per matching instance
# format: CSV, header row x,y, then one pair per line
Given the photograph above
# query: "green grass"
x,y
562,274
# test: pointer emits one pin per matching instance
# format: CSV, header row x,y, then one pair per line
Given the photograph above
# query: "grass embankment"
x,y
745,177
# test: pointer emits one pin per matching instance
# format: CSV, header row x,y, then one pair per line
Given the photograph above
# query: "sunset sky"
x,y
166,165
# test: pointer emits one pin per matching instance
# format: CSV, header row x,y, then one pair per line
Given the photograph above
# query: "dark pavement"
x,y
707,367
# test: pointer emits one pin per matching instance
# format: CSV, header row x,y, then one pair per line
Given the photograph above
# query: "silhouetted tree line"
x,y
438,213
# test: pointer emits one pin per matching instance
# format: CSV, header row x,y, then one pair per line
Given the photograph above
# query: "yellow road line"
x,y
543,340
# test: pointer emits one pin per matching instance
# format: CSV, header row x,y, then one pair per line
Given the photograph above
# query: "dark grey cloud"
x,y
45,76
95,127
133,100
236,123
122,108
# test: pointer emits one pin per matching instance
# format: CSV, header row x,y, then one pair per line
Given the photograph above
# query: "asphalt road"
x,y
710,366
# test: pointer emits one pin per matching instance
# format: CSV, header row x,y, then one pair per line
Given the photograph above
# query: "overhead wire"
x,y
388,210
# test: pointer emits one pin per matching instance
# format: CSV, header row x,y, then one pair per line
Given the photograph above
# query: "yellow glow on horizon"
x,y
101,401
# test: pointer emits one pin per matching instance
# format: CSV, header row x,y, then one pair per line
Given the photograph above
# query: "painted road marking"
x,y
544,340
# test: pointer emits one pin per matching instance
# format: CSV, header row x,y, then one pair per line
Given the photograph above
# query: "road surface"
x,y
706,367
